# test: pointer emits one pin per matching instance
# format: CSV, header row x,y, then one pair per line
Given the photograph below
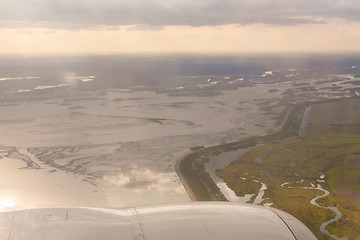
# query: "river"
x,y
222,160
304,121
338,214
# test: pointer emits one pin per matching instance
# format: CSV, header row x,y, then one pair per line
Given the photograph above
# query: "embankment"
x,y
191,171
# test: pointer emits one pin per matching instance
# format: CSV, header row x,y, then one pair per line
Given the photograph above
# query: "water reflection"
x,y
220,161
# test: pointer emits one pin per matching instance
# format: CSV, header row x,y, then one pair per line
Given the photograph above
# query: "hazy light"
x,y
6,204
334,35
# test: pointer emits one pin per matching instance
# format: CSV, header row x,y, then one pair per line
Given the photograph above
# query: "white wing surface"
x,y
192,221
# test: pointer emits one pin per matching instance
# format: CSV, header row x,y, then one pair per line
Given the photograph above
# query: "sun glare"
x,y
6,204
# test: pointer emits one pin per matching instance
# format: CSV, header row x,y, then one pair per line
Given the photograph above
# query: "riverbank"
x,y
191,171
190,168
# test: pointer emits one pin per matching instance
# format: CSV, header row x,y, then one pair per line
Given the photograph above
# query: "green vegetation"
x,y
192,166
192,178
293,117
331,146
332,177
200,182
196,148
353,172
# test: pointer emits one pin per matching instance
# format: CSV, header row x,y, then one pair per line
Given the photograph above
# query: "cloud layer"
x,y
58,13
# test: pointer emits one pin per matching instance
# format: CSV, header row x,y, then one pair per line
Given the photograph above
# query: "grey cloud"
x,y
85,13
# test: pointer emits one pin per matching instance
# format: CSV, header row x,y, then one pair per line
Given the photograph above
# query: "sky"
x,y
178,26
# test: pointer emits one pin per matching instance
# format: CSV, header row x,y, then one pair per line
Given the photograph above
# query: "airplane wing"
x,y
192,221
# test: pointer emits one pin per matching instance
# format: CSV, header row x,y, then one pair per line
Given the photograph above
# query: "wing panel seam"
x,y
287,225
139,224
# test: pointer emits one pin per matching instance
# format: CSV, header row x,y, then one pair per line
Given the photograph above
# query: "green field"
x,y
331,146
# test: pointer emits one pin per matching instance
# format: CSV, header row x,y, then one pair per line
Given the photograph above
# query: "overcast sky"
x,y
103,26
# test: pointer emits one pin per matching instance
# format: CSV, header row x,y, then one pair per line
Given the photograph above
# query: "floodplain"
x,y
299,171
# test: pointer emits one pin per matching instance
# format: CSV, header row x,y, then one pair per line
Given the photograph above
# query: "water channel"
x,y
222,160
338,214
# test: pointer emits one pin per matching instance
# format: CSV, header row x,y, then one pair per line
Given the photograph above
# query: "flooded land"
x,y
108,131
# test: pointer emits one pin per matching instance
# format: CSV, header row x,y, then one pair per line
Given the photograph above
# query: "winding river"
x,y
222,160
338,214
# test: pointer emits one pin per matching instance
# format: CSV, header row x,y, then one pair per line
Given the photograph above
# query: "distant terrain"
x,y
107,131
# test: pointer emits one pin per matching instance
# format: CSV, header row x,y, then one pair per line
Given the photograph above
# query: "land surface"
x,y
327,156
191,170
314,152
